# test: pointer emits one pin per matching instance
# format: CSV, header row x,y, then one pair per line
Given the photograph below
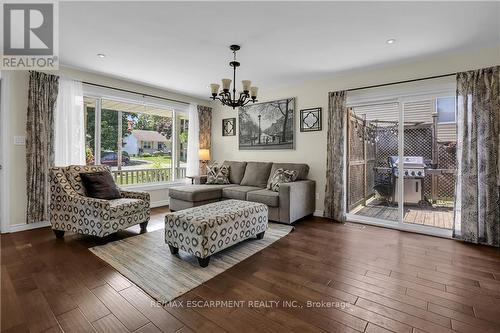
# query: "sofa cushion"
x,y
256,174
236,171
100,185
238,192
281,176
267,197
195,193
302,169
126,207
72,174
217,174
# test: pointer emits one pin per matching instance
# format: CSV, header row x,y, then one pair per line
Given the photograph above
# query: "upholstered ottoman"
x,y
208,229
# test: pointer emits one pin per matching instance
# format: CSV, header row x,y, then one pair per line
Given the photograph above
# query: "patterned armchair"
x,y
71,210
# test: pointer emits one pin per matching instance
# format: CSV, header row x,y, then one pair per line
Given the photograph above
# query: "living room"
x,y
312,166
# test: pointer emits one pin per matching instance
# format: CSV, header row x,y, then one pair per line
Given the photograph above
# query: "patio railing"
x,y
142,176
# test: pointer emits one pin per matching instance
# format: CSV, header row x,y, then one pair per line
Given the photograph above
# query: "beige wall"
x,y
311,147
17,122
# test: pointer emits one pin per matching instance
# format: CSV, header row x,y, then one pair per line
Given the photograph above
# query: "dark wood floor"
x,y
369,280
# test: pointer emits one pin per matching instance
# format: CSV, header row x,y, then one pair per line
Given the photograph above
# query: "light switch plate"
x,y
19,140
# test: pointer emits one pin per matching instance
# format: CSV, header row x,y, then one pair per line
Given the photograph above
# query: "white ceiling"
x,y
184,46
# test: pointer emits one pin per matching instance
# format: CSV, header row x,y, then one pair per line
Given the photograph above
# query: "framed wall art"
x,y
267,126
310,120
229,127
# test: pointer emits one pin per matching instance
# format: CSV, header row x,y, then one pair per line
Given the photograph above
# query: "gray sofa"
x,y
248,182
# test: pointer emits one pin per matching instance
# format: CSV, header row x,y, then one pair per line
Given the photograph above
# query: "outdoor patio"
x,y
440,217
372,179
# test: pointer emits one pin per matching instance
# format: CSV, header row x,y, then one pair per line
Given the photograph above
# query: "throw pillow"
x,y
100,185
281,176
217,174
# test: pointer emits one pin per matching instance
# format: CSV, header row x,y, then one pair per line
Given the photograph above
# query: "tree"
x,y
274,109
150,122
109,129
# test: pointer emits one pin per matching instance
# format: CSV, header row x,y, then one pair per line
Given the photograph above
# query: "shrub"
x,y
158,153
146,155
89,156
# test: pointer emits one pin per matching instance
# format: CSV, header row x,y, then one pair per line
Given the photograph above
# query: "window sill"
x,y
155,186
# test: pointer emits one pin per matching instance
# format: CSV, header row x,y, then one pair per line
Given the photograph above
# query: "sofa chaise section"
x,y
248,183
182,197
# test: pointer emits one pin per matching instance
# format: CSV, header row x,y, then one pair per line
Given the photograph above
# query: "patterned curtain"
x,y
334,191
42,96
205,120
477,213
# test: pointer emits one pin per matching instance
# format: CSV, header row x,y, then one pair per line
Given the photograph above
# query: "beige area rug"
x,y
146,260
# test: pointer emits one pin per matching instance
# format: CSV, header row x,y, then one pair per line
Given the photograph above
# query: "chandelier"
x,y
249,93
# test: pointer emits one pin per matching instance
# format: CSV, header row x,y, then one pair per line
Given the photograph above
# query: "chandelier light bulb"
x,y
226,84
246,85
253,91
215,88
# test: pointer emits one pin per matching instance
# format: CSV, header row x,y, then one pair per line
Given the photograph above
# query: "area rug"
x,y
146,260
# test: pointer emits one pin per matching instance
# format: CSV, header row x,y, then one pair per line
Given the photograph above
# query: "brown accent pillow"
x,y
100,185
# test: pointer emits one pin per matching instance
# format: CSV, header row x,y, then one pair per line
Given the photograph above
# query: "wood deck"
x,y
440,217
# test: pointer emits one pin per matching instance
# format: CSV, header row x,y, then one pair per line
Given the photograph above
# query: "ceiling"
x,y
184,46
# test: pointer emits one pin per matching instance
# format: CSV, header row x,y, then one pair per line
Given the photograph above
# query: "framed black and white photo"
x,y
229,127
310,120
267,126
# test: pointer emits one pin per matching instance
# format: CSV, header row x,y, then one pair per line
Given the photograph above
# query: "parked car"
x,y
111,159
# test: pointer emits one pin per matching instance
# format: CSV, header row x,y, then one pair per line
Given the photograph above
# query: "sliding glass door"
x,y
430,162
400,162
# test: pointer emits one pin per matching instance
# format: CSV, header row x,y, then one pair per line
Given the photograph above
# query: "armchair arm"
x,y
296,200
141,195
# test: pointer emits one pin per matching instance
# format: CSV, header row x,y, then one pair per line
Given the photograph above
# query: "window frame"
x,y
102,93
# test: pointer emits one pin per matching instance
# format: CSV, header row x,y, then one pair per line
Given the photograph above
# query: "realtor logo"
x,y
29,36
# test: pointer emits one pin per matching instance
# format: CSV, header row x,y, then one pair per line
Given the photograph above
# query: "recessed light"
x,y
390,41
101,55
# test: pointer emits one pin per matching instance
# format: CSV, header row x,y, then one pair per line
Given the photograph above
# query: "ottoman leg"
x,y
203,261
173,249
59,233
260,235
144,226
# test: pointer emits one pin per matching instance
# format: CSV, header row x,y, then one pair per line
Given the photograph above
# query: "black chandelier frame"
x,y
225,96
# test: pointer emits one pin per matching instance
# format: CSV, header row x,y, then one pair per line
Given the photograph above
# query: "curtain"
x,y
205,122
477,215
334,191
42,96
69,124
193,163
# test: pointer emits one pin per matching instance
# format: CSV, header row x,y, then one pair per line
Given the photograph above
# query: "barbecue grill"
x,y
413,173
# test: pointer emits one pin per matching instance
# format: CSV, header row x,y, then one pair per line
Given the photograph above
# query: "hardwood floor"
x,y
324,276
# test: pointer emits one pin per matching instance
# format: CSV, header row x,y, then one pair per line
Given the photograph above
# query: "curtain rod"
x,y
134,92
399,82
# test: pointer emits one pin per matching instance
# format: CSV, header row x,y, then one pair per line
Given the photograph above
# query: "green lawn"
x,y
155,162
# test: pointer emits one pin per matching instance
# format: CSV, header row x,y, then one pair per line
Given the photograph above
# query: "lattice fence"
x,y
361,162
368,160
418,142
447,160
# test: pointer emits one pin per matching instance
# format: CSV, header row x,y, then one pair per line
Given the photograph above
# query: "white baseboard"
x,y
160,203
27,226
318,213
